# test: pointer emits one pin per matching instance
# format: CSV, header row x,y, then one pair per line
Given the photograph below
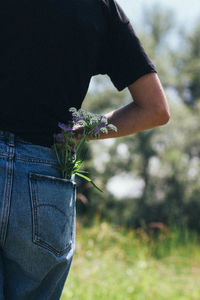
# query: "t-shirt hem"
x,y
121,86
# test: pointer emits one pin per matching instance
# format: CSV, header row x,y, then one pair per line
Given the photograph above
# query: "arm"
x,y
148,109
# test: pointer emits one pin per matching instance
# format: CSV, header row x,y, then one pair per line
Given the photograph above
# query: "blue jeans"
x,y
37,221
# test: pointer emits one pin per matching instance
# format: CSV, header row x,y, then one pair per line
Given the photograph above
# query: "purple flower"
x,y
97,129
75,119
103,125
64,127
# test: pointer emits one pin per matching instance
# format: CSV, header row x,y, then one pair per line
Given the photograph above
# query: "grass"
x,y
114,264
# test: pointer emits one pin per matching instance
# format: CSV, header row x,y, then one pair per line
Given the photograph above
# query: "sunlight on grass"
x,y
111,263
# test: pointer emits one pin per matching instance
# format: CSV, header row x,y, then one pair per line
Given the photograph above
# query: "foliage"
x,y
188,66
116,264
166,159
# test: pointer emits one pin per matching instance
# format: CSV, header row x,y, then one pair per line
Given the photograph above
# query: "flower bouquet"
x,y
69,146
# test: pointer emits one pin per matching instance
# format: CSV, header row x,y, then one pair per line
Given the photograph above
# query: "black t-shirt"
x,y
49,51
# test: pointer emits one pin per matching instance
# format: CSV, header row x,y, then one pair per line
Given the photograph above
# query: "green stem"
x,y
81,143
57,154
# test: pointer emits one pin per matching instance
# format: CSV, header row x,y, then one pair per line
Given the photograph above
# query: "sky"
x,y
186,11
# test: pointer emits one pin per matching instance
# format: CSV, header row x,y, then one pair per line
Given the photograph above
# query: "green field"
x,y
114,264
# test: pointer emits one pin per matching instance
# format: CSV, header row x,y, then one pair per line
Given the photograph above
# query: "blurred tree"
x,y
158,28
188,65
158,23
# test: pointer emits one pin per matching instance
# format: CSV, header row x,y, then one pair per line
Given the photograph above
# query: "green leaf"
x,y
83,176
83,172
96,187
89,180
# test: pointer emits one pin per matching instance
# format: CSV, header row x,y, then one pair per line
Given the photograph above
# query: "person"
x,y
49,52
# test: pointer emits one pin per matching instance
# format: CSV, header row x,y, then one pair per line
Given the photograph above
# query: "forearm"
x,y
149,109
131,119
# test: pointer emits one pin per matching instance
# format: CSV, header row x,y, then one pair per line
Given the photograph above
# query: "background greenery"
x,y
145,243
116,264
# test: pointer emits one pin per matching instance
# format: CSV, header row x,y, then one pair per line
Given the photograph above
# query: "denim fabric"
x,y
37,221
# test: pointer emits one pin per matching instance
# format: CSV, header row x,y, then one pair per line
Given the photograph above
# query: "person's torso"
x,y
49,52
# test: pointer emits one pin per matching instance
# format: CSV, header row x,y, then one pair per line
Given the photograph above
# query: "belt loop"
x,y
11,139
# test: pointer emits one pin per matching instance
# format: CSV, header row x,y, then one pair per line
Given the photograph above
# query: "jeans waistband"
x,y
10,138
31,153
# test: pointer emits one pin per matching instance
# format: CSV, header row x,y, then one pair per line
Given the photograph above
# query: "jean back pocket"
x,y
53,211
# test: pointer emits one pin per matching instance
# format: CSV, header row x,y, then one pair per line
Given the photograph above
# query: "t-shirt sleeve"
x,y
125,59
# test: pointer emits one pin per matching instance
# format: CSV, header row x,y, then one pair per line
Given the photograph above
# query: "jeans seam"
x,y
5,155
42,243
36,160
7,195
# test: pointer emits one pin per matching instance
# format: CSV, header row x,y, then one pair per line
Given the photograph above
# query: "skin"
x,y
148,109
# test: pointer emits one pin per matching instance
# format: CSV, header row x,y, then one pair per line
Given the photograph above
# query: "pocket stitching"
x,y
36,239
49,177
